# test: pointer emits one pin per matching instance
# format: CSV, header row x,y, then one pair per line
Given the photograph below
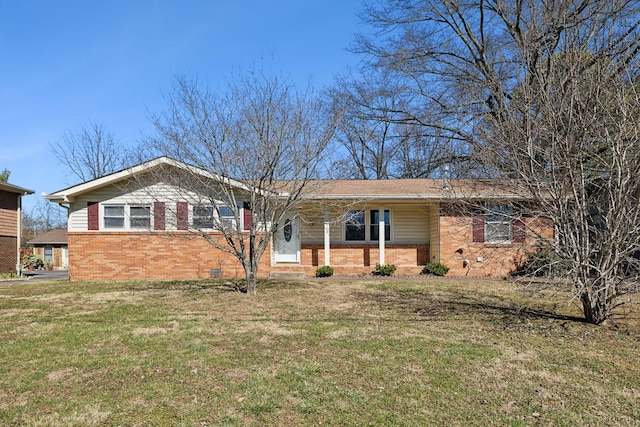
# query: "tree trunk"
x,y
594,307
251,283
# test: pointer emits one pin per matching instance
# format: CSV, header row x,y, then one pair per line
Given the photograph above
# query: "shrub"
x,y
435,268
32,261
385,269
542,262
324,271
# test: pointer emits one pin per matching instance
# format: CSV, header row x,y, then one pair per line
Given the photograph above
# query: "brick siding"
x,y
163,256
8,254
456,246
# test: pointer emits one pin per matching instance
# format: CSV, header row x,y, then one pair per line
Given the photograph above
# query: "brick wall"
x,y
131,256
456,246
352,259
8,254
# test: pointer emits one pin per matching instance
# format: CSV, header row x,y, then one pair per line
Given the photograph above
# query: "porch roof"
x,y
435,189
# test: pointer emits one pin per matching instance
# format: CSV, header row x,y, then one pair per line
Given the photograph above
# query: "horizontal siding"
x,y
116,195
8,214
410,224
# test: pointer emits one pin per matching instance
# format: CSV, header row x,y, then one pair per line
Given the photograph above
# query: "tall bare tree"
x,y
90,153
259,142
377,138
544,92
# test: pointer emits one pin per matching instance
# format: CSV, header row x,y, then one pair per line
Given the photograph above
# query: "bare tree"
x,y
377,138
544,93
259,144
90,153
42,217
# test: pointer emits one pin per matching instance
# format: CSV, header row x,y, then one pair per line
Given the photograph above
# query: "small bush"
x,y
32,261
385,269
435,268
542,262
324,271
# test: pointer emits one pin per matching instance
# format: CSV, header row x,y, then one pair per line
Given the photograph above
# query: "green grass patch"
x,y
331,352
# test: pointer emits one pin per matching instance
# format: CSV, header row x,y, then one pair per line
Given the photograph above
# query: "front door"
x,y
287,241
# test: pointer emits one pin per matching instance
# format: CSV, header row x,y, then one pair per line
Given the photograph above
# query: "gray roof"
x,y
56,236
5,186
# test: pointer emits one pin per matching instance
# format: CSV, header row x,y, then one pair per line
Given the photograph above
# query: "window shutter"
x,y
519,231
182,214
478,228
247,216
93,216
158,216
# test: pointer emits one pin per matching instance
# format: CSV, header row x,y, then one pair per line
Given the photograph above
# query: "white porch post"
x,y
327,240
381,234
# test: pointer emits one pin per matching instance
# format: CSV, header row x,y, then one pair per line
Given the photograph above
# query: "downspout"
x,y
19,239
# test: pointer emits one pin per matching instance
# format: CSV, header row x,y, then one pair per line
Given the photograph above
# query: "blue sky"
x,y
64,63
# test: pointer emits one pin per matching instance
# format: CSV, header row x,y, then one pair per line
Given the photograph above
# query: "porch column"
x,y
327,240
381,234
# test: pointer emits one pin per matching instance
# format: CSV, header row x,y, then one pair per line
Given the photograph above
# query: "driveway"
x,y
40,276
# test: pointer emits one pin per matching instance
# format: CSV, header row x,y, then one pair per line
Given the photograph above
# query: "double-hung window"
x,y
374,233
365,225
355,227
202,216
126,217
227,217
498,224
113,216
48,253
140,216
207,217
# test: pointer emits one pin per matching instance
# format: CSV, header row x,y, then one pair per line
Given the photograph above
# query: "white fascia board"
x,y
68,194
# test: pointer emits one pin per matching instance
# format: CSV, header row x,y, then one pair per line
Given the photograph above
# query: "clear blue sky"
x,y
64,63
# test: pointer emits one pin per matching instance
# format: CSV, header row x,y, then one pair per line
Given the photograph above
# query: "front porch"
x,y
360,258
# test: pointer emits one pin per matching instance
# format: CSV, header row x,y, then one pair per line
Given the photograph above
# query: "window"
x,y
364,225
498,224
114,216
227,217
205,216
48,253
202,216
140,216
126,217
355,226
375,225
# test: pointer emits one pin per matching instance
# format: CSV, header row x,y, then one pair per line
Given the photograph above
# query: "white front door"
x,y
287,241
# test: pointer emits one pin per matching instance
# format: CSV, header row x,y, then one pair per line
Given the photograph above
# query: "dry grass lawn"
x,y
323,352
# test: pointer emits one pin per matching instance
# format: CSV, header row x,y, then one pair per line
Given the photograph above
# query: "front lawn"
x,y
330,352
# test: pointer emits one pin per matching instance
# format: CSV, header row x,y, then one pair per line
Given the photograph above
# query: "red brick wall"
x,y
350,259
131,256
8,254
456,246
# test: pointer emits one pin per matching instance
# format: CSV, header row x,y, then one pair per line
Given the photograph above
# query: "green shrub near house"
x,y
385,269
435,269
324,271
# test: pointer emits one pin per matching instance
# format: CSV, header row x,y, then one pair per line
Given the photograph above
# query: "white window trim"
x,y
218,221
127,217
498,219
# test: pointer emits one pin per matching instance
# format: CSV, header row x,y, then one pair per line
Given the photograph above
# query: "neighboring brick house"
x,y
118,231
10,226
51,246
